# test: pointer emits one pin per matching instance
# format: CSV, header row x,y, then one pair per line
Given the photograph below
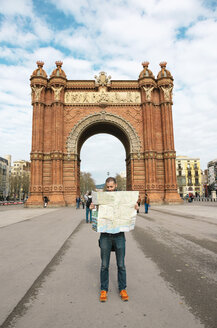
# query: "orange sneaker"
x,y
124,296
103,296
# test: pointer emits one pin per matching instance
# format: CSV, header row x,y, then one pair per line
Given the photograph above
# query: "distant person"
x,y
139,203
146,203
46,200
78,200
82,202
109,242
88,209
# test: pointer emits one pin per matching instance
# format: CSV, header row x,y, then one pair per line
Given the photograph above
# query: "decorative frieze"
x,y
36,156
103,97
139,187
169,155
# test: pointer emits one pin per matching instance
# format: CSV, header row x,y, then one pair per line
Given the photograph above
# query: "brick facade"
x,y
67,112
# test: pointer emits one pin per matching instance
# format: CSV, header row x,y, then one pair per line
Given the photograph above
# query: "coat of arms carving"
x,y
102,79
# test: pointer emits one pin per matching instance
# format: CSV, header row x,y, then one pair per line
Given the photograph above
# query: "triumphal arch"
x,y
67,112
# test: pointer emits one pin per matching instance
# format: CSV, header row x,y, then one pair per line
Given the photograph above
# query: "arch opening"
x,y
113,152
107,128
103,155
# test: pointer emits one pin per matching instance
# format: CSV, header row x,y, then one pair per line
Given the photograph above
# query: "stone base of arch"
x,y
172,198
34,201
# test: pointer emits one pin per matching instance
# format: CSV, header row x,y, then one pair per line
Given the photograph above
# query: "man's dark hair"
x,y
109,179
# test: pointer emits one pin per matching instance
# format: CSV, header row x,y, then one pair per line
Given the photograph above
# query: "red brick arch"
x,y
67,112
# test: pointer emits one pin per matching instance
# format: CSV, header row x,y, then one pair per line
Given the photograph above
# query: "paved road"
x,y
49,270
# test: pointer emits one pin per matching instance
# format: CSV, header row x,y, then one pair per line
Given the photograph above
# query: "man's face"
x,y
111,186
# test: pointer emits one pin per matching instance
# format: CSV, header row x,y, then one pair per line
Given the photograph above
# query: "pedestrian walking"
x,y
78,200
112,242
88,209
82,202
46,200
146,203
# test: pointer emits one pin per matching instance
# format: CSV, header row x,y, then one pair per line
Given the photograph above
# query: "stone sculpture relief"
x,y
102,79
37,92
102,97
167,92
148,91
56,92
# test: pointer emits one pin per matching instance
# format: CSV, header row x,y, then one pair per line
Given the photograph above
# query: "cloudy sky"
x,y
115,36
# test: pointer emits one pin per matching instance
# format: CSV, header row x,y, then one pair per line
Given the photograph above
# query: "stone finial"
x,y
163,64
58,71
58,63
40,63
145,72
145,64
164,72
39,71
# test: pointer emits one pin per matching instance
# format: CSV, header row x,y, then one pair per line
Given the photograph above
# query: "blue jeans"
x,y
107,242
87,214
146,208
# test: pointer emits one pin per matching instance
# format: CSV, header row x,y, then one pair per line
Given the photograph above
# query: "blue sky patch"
x,y
54,17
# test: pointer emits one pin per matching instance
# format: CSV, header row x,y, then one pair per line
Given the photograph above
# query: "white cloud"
x,y
20,7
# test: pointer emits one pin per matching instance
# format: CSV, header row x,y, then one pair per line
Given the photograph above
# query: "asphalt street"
x,y
49,270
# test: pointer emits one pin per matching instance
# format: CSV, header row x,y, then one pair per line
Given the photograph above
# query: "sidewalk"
x,y
19,214
188,210
29,240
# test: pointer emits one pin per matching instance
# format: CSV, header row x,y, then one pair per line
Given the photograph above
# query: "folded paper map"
x,y
115,211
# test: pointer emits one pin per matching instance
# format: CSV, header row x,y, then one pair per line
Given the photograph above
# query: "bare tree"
x,y
87,183
19,186
121,182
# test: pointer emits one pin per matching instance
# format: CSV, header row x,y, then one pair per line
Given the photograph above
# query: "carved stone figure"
x,y
167,92
148,91
56,92
37,92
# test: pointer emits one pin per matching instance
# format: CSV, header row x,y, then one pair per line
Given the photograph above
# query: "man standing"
x,y
146,202
109,242
88,208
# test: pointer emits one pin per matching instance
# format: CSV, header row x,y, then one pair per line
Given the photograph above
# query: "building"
x,y
188,174
204,182
212,174
3,178
20,168
20,179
